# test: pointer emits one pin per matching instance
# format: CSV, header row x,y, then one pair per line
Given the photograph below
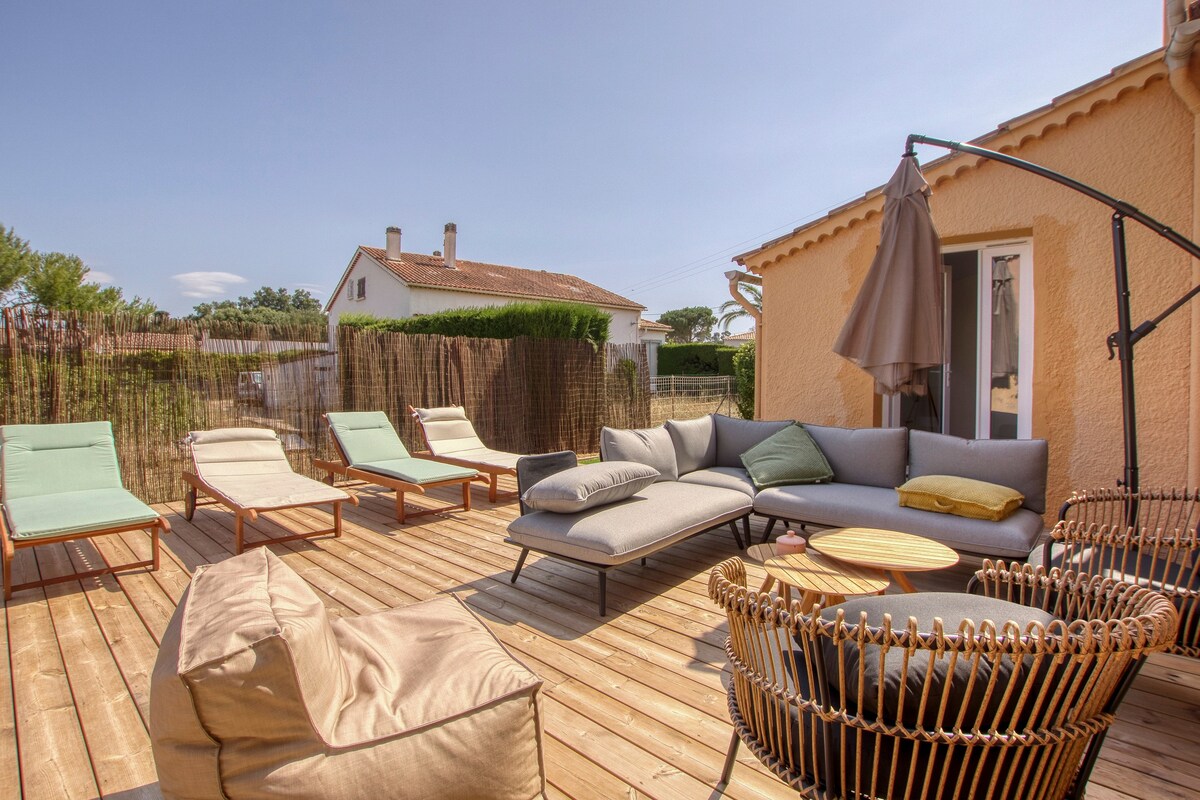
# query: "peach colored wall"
x,y
1137,147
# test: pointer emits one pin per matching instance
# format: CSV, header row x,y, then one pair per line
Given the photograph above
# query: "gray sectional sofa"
x,y
702,483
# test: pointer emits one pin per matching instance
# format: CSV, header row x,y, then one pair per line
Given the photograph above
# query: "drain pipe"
x,y
736,278
1182,35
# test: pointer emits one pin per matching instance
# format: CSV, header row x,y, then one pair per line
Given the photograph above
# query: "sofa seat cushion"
x,y
865,456
588,486
649,446
65,513
1017,463
843,505
658,515
735,478
736,436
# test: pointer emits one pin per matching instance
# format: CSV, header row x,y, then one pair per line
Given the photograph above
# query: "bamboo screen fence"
x,y
157,380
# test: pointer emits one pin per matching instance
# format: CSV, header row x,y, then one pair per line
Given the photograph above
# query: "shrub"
x,y
537,320
743,370
695,358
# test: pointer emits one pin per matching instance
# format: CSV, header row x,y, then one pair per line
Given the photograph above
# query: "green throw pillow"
x,y
790,456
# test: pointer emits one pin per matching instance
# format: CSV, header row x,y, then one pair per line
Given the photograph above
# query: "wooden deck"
x,y
634,703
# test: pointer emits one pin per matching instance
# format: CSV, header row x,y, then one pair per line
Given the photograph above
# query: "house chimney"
x,y
451,235
393,244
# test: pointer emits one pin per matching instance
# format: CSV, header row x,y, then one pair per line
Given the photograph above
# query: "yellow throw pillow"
x,y
963,497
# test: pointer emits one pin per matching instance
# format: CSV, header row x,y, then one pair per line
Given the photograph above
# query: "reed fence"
x,y
157,380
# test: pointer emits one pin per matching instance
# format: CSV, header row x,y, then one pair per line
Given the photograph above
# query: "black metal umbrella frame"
x,y
1121,342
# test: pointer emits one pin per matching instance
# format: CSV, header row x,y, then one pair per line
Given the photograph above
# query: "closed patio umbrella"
x,y
894,330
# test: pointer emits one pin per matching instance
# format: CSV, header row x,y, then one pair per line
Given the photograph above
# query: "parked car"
x,y
250,388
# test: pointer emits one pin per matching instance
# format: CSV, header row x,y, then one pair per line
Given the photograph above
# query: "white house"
x,y
653,335
393,284
738,339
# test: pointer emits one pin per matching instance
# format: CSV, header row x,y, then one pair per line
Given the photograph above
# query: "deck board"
x,y
634,703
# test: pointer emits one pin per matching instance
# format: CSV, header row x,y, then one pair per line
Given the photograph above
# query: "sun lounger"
x,y
62,482
451,439
370,450
246,470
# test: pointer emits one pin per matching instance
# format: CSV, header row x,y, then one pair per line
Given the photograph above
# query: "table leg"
x,y
785,589
903,582
766,584
808,600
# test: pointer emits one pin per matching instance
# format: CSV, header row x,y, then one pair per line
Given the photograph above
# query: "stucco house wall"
x,y
1128,135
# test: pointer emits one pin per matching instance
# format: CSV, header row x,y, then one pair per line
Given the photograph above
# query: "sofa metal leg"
x,y
643,561
737,537
745,531
730,759
520,563
603,592
770,526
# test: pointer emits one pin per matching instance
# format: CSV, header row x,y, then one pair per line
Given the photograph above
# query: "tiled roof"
x,y
418,269
738,337
651,325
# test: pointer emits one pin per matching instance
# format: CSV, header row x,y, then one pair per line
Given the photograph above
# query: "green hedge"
x,y
743,365
696,358
537,320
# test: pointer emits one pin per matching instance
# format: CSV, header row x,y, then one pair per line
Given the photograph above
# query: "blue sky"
x,y
636,144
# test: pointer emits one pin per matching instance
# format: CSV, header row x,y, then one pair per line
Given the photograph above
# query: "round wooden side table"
x,y
891,551
821,578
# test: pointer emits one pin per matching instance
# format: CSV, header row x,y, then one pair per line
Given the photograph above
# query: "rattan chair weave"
x,y
1015,715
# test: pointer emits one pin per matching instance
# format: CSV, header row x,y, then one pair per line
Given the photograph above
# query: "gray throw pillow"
x,y
649,446
695,443
788,457
588,486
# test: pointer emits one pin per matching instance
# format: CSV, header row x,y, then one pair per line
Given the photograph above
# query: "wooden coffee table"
x,y
821,578
892,551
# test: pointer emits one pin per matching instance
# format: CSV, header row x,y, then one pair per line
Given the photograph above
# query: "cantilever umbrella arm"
x,y
1120,343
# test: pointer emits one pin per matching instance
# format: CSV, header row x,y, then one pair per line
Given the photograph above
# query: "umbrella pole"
x,y
1122,341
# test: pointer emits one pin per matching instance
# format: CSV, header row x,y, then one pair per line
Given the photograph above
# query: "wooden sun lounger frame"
x,y
494,471
10,546
242,513
400,487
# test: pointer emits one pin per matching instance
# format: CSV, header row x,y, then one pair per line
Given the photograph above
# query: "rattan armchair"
x,y
1149,539
961,710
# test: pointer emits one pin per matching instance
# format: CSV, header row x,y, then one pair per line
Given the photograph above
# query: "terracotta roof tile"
x,y
651,325
418,269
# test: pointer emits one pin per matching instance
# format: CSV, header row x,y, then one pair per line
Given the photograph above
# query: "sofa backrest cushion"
x,y
695,443
1016,463
649,446
736,436
863,456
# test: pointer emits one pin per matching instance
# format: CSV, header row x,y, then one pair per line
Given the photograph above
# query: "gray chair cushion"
x,y
588,486
722,477
848,505
866,456
926,666
1016,463
695,443
649,446
658,515
736,436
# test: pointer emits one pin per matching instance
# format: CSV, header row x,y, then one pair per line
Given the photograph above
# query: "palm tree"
x,y
732,310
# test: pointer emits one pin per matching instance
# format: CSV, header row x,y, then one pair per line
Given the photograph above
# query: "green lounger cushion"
x,y
64,513
417,470
49,459
372,444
